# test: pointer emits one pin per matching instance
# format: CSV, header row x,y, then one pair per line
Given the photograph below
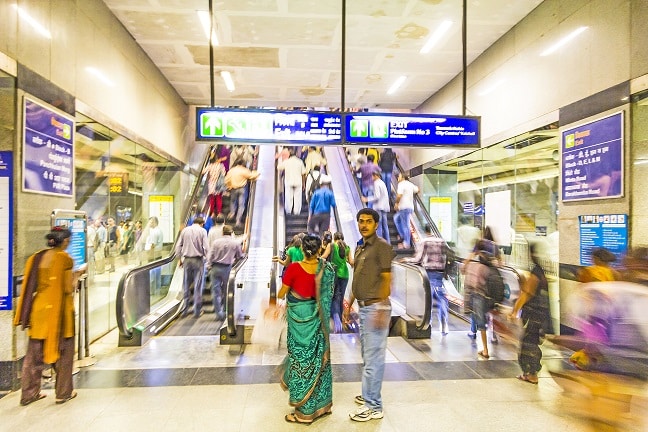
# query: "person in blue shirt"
x,y
320,207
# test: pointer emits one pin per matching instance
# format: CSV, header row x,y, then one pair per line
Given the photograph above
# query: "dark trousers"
x,y
32,370
319,222
194,270
218,276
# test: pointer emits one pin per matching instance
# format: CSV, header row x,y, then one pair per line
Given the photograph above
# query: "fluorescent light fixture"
x,y
436,36
229,82
203,16
399,82
100,76
492,88
563,41
640,162
22,13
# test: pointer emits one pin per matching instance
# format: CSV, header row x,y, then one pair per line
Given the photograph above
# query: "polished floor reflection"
x,y
187,383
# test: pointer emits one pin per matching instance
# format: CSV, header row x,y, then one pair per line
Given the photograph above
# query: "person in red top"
x,y
307,371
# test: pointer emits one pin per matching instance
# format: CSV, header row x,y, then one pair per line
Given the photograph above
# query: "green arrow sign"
x,y
211,125
359,128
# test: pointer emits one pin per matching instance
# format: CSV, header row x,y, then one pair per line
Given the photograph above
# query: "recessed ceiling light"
x,y
436,36
205,21
399,82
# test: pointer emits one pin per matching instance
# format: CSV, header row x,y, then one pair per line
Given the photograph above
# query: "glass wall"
x,y
120,184
639,170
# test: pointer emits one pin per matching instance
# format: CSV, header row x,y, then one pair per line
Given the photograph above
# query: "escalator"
x,y
150,297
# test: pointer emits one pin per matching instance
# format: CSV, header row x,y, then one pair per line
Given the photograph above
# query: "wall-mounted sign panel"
x,y
268,126
77,223
420,130
6,230
609,231
161,206
48,150
592,160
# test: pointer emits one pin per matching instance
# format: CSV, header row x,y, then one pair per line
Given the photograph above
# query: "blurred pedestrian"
x,y
46,308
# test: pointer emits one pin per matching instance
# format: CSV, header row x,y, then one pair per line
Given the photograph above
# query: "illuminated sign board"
x,y
268,126
420,130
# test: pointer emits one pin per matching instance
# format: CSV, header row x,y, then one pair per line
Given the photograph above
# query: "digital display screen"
x,y
268,126
421,130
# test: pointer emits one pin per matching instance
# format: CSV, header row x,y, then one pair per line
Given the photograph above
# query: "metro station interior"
x,y
132,78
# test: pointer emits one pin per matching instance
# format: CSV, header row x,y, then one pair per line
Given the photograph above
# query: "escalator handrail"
x,y
427,292
121,286
230,298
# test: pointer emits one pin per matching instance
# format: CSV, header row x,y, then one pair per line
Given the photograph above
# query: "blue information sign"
x,y
268,126
592,160
48,150
6,230
420,130
609,231
76,222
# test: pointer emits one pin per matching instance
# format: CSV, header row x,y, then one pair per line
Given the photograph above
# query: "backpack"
x,y
314,185
494,285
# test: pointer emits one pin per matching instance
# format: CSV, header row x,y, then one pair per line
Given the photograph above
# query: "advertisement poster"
x,y
161,206
441,214
48,150
77,222
606,230
6,223
592,160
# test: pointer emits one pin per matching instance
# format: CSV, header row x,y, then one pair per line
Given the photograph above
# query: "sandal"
x,y
34,399
292,418
483,355
62,401
526,378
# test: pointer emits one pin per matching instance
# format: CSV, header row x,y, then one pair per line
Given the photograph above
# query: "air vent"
x,y
533,139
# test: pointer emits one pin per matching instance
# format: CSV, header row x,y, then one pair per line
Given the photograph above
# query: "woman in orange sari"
x,y
46,309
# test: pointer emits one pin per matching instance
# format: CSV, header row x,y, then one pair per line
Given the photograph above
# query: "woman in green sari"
x,y
307,370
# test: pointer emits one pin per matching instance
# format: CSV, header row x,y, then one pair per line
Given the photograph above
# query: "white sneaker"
x,y
363,414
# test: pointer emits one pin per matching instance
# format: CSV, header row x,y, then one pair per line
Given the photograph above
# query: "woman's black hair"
x,y
327,237
56,236
311,245
488,234
339,238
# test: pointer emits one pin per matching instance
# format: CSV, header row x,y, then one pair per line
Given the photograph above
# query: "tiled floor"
x,y
193,383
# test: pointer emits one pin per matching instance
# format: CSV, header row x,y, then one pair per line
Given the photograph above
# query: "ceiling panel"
x,y
283,52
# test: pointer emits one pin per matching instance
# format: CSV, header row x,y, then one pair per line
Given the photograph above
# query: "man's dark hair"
x,y
199,220
220,219
368,211
370,158
227,230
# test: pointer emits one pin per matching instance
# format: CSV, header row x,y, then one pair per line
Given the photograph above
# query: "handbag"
x,y
270,326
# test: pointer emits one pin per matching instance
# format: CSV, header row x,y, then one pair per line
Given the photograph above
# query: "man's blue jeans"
x,y
439,294
237,203
218,276
374,329
387,178
401,220
367,191
193,273
383,226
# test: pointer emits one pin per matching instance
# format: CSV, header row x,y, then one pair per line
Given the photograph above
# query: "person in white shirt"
x,y
380,203
294,171
314,158
404,208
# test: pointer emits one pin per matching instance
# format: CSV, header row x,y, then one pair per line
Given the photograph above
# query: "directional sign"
x,y
421,130
268,126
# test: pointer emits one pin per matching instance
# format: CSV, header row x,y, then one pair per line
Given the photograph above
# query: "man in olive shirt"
x,y
371,286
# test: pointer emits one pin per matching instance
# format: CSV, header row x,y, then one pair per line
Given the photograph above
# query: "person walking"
x,y
320,207
534,304
294,171
236,180
46,308
404,208
223,252
307,371
431,255
386,164
371,287
192,250
380,202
